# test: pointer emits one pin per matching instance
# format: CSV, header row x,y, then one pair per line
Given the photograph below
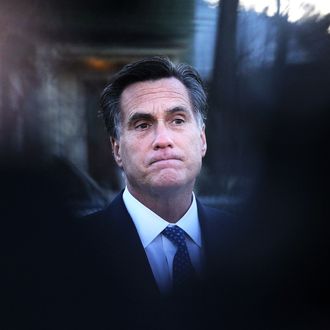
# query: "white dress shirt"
x,y
160,250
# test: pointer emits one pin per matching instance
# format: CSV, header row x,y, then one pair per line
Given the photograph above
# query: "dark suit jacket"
x,y
115,281
246,286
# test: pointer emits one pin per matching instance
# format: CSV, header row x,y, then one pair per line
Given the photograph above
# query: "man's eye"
x,y
142,126
178,121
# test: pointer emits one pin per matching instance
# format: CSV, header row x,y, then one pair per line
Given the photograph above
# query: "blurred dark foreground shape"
x,y
272,270
285,226
35,247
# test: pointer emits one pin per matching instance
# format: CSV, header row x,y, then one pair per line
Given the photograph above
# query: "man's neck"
x,y
169,206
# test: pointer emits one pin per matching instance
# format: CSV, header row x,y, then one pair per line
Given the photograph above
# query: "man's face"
x,y
161,144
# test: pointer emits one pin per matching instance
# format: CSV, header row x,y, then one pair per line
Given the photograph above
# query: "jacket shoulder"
x,y
210,213
114,209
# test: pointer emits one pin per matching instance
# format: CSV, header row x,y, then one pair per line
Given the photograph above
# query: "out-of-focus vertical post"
x,y
223,95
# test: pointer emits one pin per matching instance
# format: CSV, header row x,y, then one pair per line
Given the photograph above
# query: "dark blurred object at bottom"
x,y
272,270
284,245
35,247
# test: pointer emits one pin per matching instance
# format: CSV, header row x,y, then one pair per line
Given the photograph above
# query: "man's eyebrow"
x,y
139,116
177,109
147,116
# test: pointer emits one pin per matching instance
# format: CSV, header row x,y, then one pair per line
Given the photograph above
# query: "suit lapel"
x,y
218,230
127,252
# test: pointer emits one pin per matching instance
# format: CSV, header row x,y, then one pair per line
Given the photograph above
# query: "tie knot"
x,y
176,235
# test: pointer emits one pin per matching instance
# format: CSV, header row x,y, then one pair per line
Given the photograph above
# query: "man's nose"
x,y
163,137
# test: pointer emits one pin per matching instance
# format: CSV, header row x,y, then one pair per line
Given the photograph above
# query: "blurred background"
x,y
266,65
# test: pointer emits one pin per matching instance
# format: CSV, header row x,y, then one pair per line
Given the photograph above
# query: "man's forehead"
x,y
165,90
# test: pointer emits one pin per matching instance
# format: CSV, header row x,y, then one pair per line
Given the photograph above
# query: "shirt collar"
x,y
149,225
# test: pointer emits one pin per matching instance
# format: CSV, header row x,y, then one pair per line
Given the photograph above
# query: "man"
x,y
155,239
156,258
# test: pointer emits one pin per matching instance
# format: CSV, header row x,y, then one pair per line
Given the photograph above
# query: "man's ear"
x,y
116,151
203,140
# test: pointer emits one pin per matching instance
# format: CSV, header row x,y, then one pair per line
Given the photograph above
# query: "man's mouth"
x,y
164,159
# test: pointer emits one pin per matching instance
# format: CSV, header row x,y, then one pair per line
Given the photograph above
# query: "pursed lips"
x,y
160,159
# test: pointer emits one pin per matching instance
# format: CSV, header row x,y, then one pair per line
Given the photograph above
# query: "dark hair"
x,y
151,68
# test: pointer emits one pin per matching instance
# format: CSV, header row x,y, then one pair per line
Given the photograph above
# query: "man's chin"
x,y
169,185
